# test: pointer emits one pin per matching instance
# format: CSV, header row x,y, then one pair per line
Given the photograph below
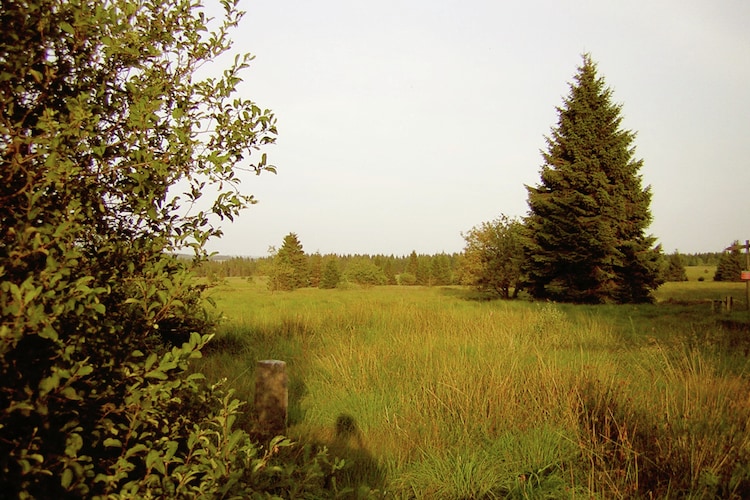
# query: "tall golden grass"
x,y
427,394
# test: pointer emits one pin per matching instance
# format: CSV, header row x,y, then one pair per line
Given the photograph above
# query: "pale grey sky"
x,y
403,123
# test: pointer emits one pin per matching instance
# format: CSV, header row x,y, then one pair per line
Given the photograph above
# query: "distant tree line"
x,y
289,268
701,259
729,264
465,268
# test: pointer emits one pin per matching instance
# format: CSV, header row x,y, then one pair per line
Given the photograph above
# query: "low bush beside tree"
x,y
493,257
363,271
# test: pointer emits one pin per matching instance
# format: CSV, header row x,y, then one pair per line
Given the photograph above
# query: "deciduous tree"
x,y
493,256
363,271
586,239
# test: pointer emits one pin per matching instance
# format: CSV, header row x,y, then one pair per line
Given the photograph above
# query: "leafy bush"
x,y
493,257
102,119
407,279
363,271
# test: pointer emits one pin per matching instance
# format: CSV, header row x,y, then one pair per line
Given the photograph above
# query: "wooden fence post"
x,y
271,396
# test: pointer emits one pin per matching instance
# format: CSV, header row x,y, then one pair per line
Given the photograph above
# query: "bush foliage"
x,y
494,256
108,140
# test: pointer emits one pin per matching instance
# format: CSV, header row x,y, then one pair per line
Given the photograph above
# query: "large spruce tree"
x,y
585,230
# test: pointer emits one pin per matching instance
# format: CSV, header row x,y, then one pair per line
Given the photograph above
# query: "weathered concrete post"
x,y
271,396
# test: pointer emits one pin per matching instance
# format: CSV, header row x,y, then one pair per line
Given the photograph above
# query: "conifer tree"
x,y
331,275
675,268
412,265
409,276
290,268
423,270
390,275
316,269
730,266
440,270
585,232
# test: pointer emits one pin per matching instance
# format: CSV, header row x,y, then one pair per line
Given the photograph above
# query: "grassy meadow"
x,y
430,393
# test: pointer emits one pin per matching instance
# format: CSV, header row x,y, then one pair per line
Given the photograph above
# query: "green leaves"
x,y
102,114
493,257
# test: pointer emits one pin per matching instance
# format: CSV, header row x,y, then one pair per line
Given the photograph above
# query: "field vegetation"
x,y
430,392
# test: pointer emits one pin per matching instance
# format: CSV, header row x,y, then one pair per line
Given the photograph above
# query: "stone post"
x,y
271,396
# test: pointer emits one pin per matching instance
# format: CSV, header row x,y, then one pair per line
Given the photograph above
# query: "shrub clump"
x,y
102,122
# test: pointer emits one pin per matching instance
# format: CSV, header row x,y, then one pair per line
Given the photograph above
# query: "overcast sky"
x,y
403,123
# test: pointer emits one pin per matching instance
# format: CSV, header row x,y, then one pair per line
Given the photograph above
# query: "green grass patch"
x,y
702,273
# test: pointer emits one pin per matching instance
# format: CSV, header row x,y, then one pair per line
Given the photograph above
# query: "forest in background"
x,y
427,269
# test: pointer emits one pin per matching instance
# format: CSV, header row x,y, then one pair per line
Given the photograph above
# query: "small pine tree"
x,y
290,268
412,265
316,269
675,268
331,275
390,275
440,270
730,265
423,270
